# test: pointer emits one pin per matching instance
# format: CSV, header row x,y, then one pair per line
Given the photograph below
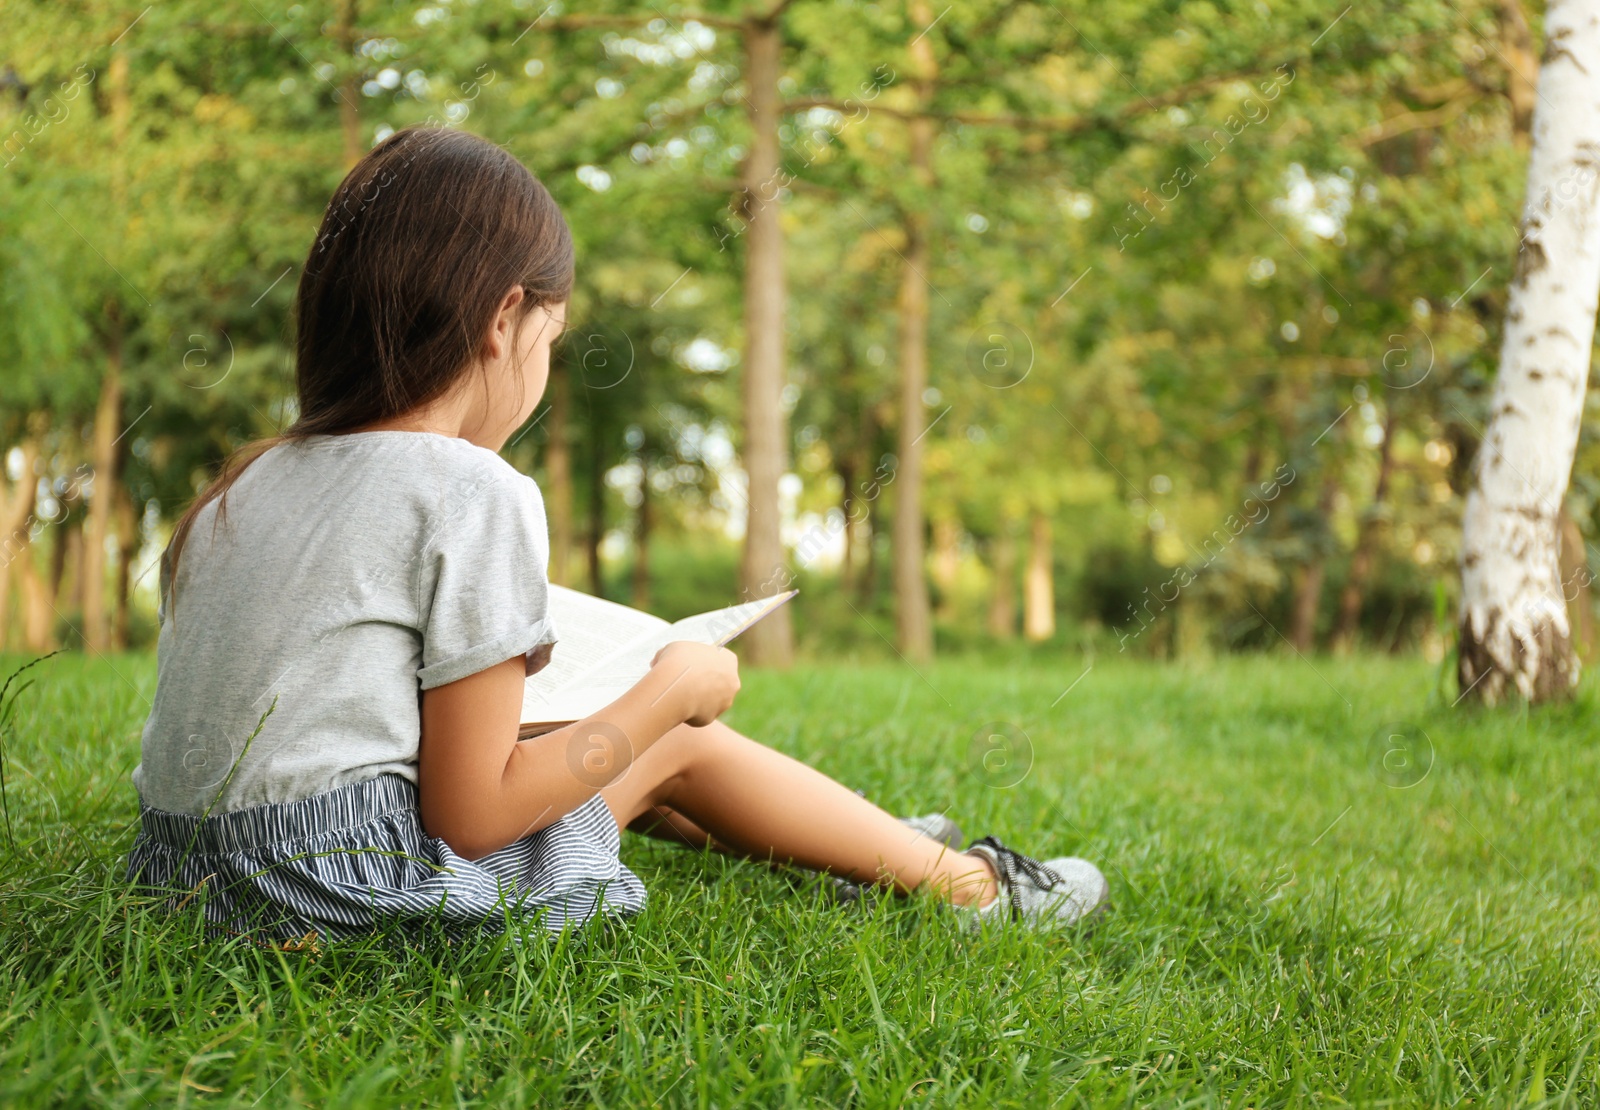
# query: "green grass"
x,y
1291,925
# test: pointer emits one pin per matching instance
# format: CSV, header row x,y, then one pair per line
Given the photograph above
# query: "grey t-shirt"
x,y
347,574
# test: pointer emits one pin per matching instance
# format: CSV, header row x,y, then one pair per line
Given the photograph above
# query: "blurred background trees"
x,y
1165,328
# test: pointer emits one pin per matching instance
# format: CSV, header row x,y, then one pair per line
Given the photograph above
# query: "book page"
x,y
590,630
630,663
613,672
722,625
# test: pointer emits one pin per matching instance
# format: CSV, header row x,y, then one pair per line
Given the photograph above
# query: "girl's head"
x,y
438,280
441,272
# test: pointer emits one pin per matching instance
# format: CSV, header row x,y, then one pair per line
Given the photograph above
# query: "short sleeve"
x,y
483,594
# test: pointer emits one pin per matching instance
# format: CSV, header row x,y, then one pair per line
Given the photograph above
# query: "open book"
x,y
604,648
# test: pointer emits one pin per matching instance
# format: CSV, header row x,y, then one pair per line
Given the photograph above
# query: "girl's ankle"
x,y
978,889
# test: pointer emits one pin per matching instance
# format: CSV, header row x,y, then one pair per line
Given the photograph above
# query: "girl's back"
x,y
343,571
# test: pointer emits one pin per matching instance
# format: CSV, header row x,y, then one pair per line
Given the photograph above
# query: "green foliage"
x,y
1174,247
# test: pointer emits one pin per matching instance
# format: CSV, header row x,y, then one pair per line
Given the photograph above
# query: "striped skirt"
x,y
348,860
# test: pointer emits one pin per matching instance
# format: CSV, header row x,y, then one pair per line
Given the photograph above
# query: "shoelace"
x,y
1011,862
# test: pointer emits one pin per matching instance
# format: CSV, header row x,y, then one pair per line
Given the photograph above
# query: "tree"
x,y
1515,633
766,429
913,623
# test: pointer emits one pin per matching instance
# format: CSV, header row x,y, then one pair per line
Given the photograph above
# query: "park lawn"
x,y
1303,915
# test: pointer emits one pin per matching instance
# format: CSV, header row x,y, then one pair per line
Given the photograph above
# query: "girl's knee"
x,y
688,742
687,747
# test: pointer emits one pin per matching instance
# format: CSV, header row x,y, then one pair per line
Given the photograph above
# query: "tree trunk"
x,y
1514,629
762,570
946,563
558,470
16,531
847,503
5,593
127,550
641,538
1308,597
914,628
38,618
97,526
1003,599
20,497
1252,459
108,429
865,489
1522,69
867,583
597,511
66,560
1038,586
1361,559
349,117
1576,578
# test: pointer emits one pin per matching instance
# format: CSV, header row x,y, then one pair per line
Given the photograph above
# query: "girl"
x,y
349,611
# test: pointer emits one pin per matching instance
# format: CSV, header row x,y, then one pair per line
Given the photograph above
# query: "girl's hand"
x,y
704,678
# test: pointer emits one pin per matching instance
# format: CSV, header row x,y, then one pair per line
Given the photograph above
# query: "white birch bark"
x,y
1514,630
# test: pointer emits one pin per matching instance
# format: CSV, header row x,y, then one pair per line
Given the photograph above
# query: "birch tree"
x,y
1515,634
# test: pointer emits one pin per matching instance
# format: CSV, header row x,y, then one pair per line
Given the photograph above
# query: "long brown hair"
x,y
416,251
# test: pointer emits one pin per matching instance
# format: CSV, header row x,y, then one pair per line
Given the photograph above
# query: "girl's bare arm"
x,y
482,788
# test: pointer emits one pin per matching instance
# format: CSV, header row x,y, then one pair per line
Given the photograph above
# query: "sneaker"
x,y
1051,894
934,826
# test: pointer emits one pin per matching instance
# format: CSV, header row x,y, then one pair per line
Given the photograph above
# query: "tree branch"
x,y
585,22
1077,124
774,13
1064,124
1407,122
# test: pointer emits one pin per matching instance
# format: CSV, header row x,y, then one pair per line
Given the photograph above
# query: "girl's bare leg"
x,y
666,823
714,782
